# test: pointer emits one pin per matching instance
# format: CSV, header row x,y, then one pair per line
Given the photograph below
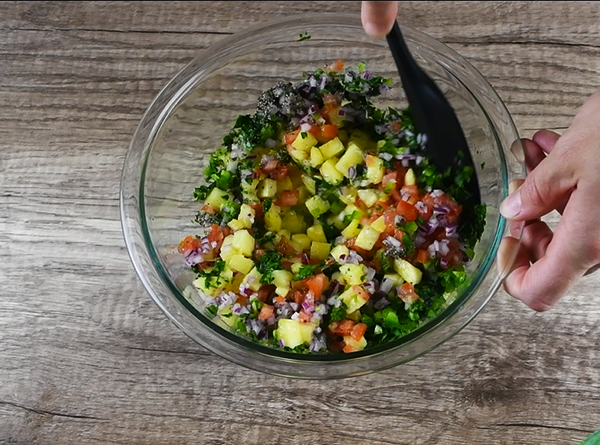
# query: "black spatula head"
x,y
433,115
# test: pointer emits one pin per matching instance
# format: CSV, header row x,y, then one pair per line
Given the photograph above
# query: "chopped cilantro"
x,y
338,313
308,270
267,263
212,277
212,309
267,204
304,36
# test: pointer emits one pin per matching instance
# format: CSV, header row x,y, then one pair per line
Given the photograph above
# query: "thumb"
x,y
378,17
543,190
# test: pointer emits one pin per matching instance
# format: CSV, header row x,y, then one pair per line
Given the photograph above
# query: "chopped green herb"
x,y
304,36
267,263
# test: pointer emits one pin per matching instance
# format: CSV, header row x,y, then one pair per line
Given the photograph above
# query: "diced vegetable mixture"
x,y
323,226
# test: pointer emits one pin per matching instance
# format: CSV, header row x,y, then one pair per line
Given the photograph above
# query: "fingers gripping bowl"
x,y
187,123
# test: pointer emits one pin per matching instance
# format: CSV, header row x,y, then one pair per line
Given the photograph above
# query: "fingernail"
x,y
511,206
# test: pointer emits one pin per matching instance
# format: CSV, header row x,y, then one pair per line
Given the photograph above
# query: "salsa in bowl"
x,y
291,223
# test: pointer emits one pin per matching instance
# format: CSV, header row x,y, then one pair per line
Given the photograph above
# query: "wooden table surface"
x,y
86,357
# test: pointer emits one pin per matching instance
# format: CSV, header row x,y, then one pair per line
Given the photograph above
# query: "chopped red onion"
x,y
370,273
381,303
193,258
305,259
386,285
386,156
305,127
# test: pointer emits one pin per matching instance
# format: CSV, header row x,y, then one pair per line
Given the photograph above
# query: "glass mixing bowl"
x,y
188,119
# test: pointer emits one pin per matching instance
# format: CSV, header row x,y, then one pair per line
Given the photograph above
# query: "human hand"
x,y
378,17
564,175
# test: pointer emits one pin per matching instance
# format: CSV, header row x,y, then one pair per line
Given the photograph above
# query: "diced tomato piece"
x,y
331,99
265,292
324,133
349,348
426,208
408,211
291,137
343,327
288,198
358,331
208,209
275,169
412,192
266,312
422,256
242,300
304,317
215,234
390,177
298,295
407,293
279,299
317,284
338,65
284,248
258,211
189,244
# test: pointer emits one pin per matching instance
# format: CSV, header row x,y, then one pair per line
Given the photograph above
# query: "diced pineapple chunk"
x,y
360,138
319,251
410,178
331,148
338,251
316,206
304,141
267,188
349,197
375,169
294,332
352,229
227,316
252,280
407,271
379,224
353,273
344,136
293,222
302,240
241,264
316,233
352,157
284,234
236,224
353,211
227,250
330,174
282,278
247,215
296,266
310,184
354,298
337,221
367,238
285,184
273,218
369,197
282,291
354,345
316,157
396,279
337,276
298,155
243,242
217,198
216,284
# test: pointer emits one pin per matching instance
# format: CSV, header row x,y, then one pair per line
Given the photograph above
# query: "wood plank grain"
x,y
86,357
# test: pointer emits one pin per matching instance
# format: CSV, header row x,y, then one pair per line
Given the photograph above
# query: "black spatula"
x,y
433,115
